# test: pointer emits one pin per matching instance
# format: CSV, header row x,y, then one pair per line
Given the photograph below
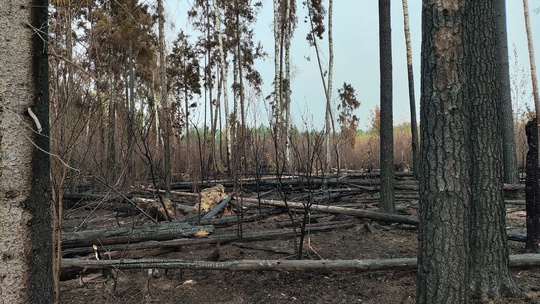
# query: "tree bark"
x,y
443,273
387,128
489,273
25,225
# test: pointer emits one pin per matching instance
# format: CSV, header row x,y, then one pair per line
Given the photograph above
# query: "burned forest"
x,y
217,151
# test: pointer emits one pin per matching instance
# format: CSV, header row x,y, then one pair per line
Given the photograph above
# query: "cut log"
x,y
166,231
387,217
518,260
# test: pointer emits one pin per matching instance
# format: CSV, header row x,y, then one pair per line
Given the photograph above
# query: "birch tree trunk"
x,y
278,81
412,100
224,72
531,58
166,127
288,37
25,224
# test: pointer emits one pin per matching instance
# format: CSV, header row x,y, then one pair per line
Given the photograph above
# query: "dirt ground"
x,y
357,242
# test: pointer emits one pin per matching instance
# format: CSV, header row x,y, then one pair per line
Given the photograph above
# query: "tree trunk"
x,y
166,124
130,123
531,57
387,128
518,260
289,26
128,235
510,169
223,68
532,189
25,224
489,252
328,118
443,273
111,160
278,77
380,216
412,100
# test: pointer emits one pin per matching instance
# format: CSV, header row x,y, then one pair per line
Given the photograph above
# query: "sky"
x,y
356,56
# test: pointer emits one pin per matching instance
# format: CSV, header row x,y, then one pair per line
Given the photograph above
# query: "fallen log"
x,y
213,239
233,219
516,235
162,232
262,247
387,217
518,260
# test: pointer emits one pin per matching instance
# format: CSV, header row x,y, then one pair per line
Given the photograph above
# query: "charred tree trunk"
x,y
386,124
532,194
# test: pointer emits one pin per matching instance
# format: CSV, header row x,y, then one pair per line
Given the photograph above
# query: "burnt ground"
x,y
209,286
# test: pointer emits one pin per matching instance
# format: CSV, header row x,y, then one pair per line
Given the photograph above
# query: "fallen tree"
x,y
518,260
166,231
379,216
212,239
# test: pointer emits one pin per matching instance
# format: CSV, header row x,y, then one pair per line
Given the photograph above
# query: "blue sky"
x,y
356,55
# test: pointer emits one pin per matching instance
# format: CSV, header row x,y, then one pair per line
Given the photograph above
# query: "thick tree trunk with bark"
x,y
25,224
462,225
443,275
387,128
489,252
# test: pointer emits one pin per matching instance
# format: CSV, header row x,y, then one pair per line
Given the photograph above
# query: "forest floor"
x,y
365,239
